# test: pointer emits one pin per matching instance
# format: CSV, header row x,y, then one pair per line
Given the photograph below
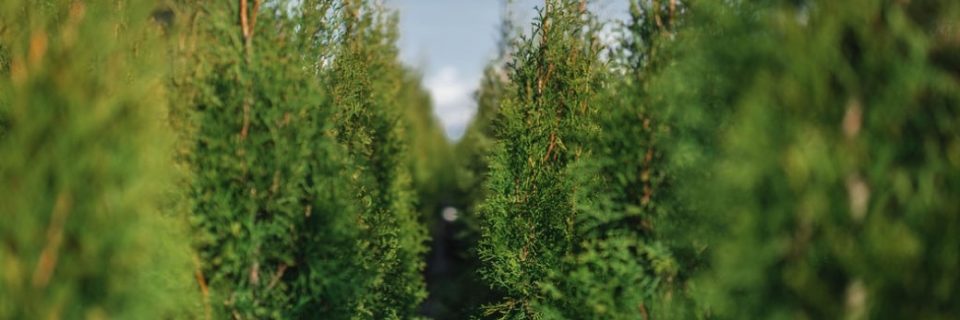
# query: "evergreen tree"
x,y
86,166
829,129
272,193
529,211
627,264
366,81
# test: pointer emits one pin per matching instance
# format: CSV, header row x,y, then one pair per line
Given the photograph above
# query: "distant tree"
x,y
430,153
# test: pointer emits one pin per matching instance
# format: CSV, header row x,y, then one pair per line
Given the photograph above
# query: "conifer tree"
x,y
474,145
272,194
627,265
366,80
529,211
86,166
829,129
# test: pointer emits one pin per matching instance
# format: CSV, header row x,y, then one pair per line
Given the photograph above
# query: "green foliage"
x,y
768,159
472,149
367,81
528,214
273,194
461,292
829,132
470,171
88,229
627,264
430,155
728,159
431,164
477,140
290,161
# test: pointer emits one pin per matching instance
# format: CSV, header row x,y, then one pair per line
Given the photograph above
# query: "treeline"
x,y
204,159
721,159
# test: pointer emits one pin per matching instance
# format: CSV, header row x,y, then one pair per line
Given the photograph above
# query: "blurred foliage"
x,y
826,134
462,293
90,227
741,159
431,155
472,149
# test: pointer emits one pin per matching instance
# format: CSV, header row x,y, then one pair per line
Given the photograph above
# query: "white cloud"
x,y
453,102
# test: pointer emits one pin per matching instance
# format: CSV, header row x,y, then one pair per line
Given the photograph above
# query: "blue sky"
x,y
451,41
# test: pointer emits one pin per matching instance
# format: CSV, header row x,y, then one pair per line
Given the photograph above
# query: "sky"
x,y
451,41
